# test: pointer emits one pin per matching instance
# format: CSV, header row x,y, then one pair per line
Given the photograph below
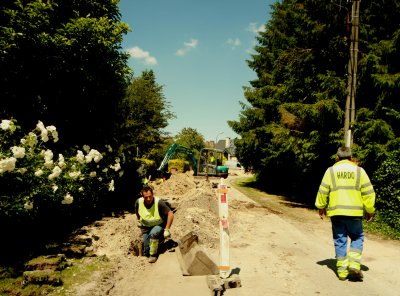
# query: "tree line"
x,y
291,122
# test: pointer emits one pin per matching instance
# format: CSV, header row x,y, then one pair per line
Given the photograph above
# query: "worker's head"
x,y
344,153
147,193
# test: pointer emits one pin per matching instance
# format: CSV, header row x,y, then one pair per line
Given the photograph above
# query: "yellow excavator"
x,y
209,162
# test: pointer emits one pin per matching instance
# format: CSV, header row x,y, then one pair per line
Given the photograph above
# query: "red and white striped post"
x,y
224,266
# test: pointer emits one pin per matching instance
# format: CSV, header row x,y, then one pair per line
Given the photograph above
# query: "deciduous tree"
x,y
190,138
144,114
61,62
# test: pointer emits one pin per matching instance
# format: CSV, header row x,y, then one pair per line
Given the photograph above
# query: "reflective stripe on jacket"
x,y
346,190
149,217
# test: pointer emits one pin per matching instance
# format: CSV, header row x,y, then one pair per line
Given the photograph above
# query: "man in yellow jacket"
x,y
155,219
344,195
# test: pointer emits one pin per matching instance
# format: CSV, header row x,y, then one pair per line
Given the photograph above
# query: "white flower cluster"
x,y
117,166
7,164
45,131
7,125
61,161
111,186
30,140
74,175
46,166
93,155
39,172
80,157
18,152
56,172
68,199
48,158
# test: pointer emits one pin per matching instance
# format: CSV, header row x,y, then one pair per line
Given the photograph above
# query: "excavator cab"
x,y
210,163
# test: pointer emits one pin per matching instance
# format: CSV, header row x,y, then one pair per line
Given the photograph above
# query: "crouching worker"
x,y
155,218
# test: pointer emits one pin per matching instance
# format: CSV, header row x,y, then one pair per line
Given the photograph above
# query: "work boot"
x,y
355,275
342,278
152,259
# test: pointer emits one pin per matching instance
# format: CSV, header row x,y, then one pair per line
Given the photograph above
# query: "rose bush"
x,y
35,178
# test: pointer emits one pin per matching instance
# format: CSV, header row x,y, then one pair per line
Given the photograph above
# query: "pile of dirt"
x,y
194,202
195,205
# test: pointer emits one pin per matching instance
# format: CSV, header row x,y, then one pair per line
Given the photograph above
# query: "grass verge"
x,y
80,271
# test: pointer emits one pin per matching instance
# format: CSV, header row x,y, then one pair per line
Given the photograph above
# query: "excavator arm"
x,y
175,148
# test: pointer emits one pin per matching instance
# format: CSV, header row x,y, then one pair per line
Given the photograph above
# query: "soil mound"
x,y
195,207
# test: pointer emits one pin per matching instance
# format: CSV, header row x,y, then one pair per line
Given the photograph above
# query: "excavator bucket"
x,y
192,259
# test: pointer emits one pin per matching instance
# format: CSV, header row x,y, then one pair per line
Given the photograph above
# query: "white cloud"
x,y
253,28
188,46
253,44
140,54
234,42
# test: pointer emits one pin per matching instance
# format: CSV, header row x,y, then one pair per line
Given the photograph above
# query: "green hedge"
x,y
179,165
386,182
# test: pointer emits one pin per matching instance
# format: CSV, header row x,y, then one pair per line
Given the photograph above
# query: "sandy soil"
x,y
281,249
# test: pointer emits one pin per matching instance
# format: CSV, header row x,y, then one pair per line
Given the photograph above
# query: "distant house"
x,y
228,147
220,145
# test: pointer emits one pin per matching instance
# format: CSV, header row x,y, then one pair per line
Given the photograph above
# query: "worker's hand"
x,y
322,213
138,224
369,217
167,233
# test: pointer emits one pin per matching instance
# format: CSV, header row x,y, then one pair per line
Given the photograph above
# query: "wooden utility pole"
x,y
352,75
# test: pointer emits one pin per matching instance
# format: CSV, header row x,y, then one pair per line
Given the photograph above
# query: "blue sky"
x,y
198,51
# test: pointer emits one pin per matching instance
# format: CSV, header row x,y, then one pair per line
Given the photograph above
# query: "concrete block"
x,y
192,258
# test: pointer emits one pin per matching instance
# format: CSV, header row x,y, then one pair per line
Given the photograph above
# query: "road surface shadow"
x,y
235,270
293,204
168,245
330,263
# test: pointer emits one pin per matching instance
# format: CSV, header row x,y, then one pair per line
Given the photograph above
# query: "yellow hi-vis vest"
x,y
346,190
149,217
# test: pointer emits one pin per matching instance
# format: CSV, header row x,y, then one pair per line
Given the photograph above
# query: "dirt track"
x,y
279,250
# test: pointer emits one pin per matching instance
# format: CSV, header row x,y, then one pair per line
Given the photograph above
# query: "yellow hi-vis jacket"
x,y
346,190
149,217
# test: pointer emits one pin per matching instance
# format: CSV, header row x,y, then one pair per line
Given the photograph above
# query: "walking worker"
x,y
155,219
344,195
